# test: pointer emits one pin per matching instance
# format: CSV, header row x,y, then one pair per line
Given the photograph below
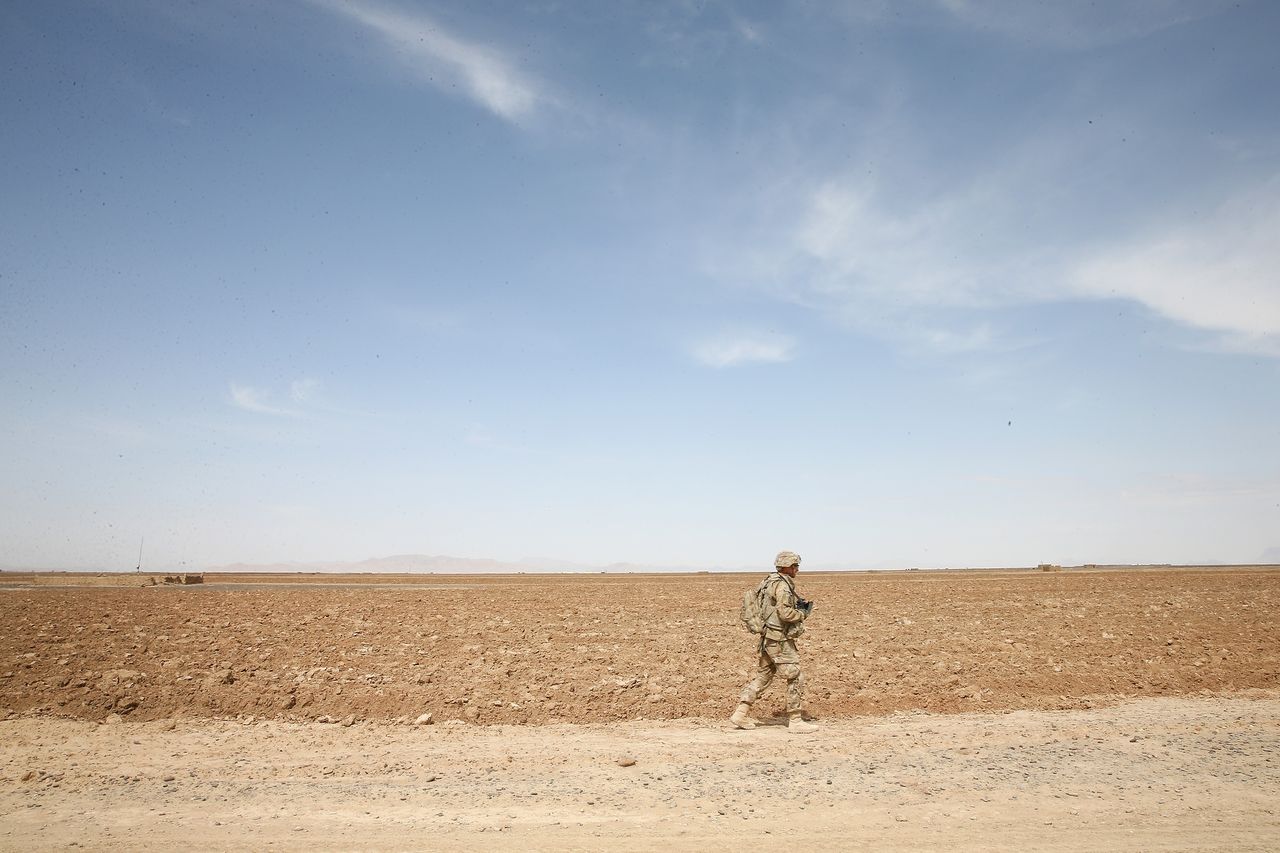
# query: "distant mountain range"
x,y
428,564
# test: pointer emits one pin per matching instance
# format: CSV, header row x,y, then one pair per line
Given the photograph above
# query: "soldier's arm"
x,y
786,600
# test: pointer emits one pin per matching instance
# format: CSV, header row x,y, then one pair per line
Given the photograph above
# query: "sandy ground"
x,y
1151,774
1075,710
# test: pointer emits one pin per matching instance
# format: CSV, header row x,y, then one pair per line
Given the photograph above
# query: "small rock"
x,y
113,718
424,720
167,778
471,714
30,774
626,761
348,721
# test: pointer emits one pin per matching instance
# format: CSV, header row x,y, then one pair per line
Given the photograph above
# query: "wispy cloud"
x,y
744,348
1066,25
686,34
925,275
856,245
1221,274
933,273
258,400
446,60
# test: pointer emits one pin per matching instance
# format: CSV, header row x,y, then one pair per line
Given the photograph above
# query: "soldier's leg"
x,y
788,660
795,686
764,675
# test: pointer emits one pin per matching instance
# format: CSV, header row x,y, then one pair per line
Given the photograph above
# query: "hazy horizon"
x,y
442,564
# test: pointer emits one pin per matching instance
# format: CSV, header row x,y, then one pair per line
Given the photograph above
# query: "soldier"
x,y
778,653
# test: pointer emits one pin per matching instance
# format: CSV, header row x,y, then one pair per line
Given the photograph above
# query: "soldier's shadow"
x,y
779,718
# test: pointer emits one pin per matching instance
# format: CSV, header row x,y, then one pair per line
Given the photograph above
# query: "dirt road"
x,y
1151,774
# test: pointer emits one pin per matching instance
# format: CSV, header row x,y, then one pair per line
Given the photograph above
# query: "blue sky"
x,y
929,283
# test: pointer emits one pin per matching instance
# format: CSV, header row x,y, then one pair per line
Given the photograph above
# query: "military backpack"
x,y
756,607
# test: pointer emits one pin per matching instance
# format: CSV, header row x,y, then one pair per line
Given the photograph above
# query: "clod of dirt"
x,y
113,718
626,761
222,676
348,721
424,720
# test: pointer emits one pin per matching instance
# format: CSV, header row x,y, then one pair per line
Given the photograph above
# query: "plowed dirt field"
x,y
968,711
532,649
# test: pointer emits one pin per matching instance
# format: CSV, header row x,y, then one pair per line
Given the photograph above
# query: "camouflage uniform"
x,y
778,653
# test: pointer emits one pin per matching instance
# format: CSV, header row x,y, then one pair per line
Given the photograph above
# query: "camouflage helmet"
x,y
786,559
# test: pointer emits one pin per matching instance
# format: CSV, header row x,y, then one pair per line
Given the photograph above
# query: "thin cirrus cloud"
x,y
1069,25
445,60
921,277
261,401
1218,275
740,349
931,275
1221,276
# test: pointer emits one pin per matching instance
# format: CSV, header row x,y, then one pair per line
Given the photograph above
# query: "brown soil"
x,y
532,649
601,663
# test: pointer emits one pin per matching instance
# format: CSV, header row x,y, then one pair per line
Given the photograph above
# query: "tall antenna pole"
x,y
140,541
